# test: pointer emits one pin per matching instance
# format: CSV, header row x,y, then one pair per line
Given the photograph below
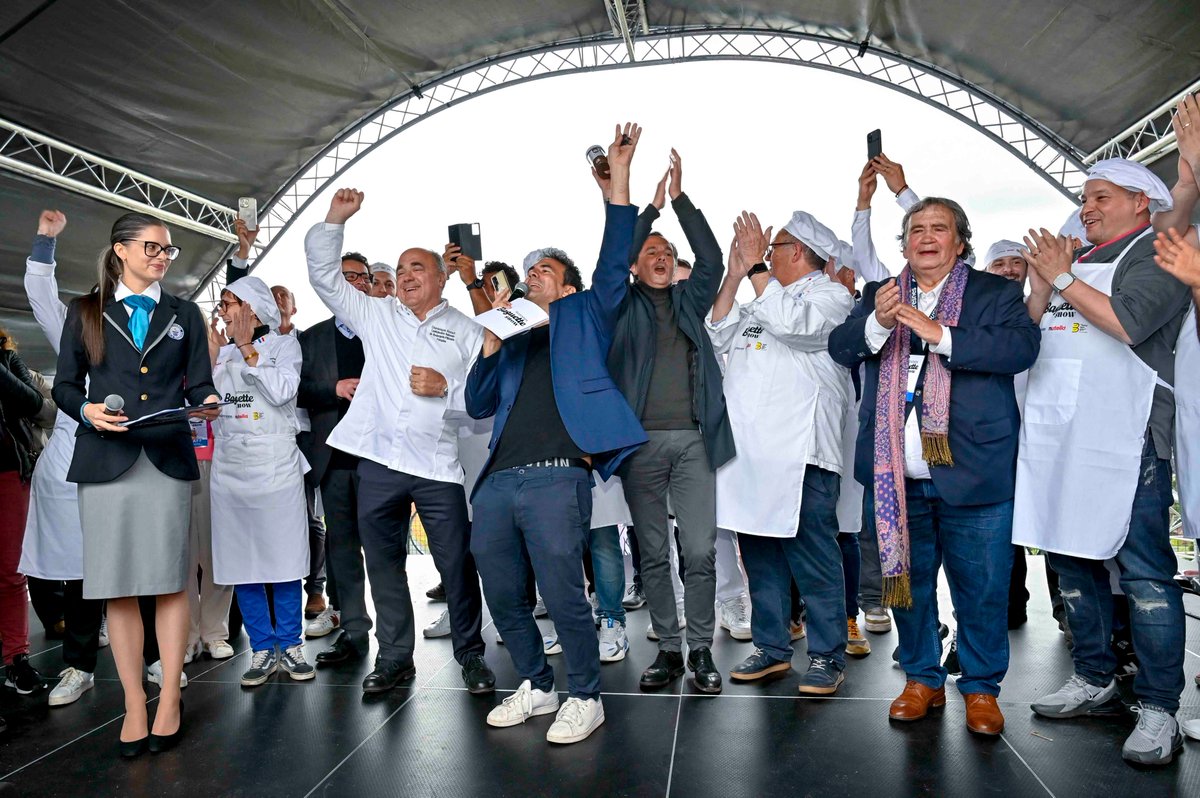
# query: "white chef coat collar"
x,y
436,311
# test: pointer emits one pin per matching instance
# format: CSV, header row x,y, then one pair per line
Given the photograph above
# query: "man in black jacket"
x,y
329,373
664,364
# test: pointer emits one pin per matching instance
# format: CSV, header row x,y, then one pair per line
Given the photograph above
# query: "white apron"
x,y
608,503
850,499
1085,422
772,411
1187,424
259,520
53,547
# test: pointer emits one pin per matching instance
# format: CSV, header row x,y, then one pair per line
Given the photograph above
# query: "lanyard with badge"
x,y
916,361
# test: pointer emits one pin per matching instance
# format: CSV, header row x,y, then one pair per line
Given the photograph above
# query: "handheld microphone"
x,y
113,405
519,291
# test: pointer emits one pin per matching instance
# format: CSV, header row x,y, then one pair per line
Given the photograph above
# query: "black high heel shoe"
x,y
134,748
161,743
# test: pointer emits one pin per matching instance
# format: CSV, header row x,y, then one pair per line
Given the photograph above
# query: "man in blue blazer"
x,y
558,416
937,451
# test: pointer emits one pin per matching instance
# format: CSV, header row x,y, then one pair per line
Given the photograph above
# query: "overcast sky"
x,y
772,138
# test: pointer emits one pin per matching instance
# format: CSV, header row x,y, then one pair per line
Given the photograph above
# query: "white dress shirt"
x,y
387,423
154,291
915,466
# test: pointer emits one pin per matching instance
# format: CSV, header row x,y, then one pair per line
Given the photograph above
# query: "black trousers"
x,y
345,573
314,583
385,502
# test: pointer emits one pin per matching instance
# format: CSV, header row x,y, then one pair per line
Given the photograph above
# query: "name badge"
x,y
914,371
175,333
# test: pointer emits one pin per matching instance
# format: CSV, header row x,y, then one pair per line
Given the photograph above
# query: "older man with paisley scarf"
x,y
937,451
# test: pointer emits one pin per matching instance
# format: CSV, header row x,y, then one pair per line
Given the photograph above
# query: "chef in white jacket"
x,y
53,546
259,521
787,404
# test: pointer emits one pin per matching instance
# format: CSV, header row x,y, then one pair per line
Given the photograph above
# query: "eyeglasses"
x,y
771,249
153,249
225,305
354,277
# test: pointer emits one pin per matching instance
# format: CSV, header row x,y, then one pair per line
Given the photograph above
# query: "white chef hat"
x,y
1004,249
253,290
820,238
1073,227
383,267
1135,177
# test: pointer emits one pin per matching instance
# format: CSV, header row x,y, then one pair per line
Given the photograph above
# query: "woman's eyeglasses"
x,y
153,249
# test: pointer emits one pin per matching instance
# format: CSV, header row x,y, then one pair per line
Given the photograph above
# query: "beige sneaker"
x,y
856,642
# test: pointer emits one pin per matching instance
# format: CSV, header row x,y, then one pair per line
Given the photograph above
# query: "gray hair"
x,y
961,224
437,258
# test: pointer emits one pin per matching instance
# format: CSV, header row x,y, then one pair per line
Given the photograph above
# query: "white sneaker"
x,y
539,609
104,632
323,624
876,619
550,644
219,649
651,634
594,600
154,674
193,652
1076,697
523,704
614,644
576,720
1156,738
735,618
73,684
440,627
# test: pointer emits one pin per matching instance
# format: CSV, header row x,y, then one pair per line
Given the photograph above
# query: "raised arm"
x,y
700,291
866,261
323,248
610,281
41,286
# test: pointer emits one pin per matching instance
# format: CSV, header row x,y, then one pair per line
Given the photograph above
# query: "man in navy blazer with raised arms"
x,y
558,415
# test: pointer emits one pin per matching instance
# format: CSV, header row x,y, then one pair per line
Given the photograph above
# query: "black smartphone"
x,y
874,144
466,237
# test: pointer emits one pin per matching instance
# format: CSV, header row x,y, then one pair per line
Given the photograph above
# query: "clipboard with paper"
x,y
521,316
170,415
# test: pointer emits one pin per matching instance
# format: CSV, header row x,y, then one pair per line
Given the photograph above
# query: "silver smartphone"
x,y
248,212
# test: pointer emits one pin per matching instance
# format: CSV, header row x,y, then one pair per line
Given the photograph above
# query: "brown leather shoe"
x,y
314,606
915,701
983,714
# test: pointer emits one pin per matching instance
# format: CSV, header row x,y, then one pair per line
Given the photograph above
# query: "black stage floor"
x,y
324,738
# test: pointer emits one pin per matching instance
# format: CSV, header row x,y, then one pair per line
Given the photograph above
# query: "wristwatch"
x,y
1063,281
757,268
476,286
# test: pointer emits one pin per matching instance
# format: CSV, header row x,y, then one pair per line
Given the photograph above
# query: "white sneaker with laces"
x,y
1076,697
154,674
1156,738
440,627
323,624
73,684
522,705
104,632
218,649
735,618
614,644
576,720
193,652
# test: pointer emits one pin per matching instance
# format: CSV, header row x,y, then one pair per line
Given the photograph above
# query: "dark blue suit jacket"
x,y
593,410
994,339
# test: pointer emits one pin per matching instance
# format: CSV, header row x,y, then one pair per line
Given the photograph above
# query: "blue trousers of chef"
x,y
256,614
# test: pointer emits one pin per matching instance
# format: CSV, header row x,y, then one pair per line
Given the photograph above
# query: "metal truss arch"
x,y
829,49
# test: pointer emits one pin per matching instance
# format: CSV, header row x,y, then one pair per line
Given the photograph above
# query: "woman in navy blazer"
x,y
130,338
